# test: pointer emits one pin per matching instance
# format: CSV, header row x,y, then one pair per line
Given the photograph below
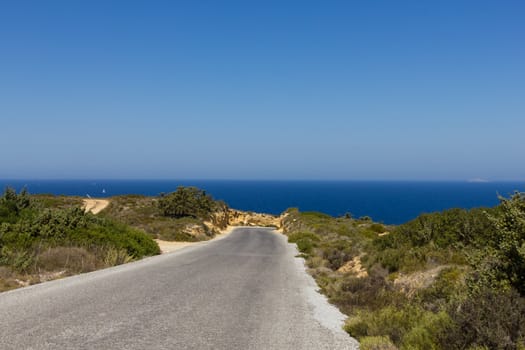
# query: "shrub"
x,y
405,259
111,234
378,228
428,332
388,321
294,237
19,259
11,203
447,286
305,246
509,239
337,253
186,201
450,227
115,256
305,241
409,327
376,343
366,293
495,319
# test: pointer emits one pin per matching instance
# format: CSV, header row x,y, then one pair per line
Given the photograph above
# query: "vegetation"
x,y
188,214
449,280
187,202
43,236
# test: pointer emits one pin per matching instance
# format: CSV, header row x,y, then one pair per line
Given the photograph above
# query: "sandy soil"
x,y
95,205
169,246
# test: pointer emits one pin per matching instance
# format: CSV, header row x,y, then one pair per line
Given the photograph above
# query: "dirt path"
x,y
95,205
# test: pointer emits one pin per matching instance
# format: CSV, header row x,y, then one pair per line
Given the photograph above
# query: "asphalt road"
x,y
246,291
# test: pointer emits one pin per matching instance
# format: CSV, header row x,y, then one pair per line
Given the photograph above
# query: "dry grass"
x,y
70,259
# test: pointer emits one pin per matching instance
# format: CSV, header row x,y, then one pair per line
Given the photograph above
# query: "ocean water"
x,y
391,202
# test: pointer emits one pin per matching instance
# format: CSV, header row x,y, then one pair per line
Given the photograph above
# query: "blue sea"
x,y
390,202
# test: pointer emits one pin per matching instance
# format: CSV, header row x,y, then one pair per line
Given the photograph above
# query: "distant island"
x,y
478,180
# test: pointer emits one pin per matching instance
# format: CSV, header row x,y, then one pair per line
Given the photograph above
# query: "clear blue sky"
x,y
426,90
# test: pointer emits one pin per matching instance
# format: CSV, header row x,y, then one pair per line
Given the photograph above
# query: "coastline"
x,y
390,202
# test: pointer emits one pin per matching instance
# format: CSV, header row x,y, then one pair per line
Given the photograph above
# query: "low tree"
x,y
186,202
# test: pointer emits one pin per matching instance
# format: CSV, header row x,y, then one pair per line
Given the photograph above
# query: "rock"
x,y
242,218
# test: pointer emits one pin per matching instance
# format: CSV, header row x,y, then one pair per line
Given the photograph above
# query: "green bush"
x,y
376,343
11,203
294,237
305,241
305,246
187,201
388,321
450,227
409,327
428,332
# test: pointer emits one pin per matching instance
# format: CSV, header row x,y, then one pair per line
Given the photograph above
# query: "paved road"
x,y
246,291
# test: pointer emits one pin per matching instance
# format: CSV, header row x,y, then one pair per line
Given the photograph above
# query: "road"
x,y
246,291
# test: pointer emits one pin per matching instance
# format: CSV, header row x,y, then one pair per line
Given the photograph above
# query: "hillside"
x,y
157,216
450,280
47,237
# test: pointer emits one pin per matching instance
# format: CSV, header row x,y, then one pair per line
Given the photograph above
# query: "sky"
x,y
342,90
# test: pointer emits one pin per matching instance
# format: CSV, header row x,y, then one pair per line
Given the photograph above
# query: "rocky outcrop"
x,y
243,218
199,232
222,219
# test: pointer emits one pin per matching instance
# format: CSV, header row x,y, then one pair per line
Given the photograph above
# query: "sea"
x,y
390,202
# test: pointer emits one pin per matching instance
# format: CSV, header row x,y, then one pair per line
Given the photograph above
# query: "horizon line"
x,y
473,181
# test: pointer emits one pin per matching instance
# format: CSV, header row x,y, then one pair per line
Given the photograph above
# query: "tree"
x,y
187,201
